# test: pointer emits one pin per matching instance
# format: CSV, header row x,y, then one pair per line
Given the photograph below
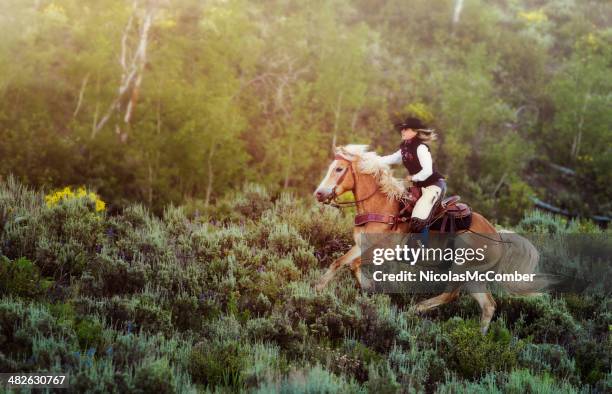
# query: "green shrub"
x,y
100,377
304,259
264,361
326,229
472,354
110,275
51,352
187,313
145,303
128,350
140,312
154,375
548,358
523,381
225,327
89,333
417,369
19,209
309,381
582,307
540,222
20,323
377,323
381,379
218,363
357,359
21,278
542,318
69,235
261,305
252,201
284,238
604,385
278,329
593,358
515,382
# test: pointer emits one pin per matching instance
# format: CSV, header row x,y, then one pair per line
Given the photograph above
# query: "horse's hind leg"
x,y
433,302
362,281
348,257
487,307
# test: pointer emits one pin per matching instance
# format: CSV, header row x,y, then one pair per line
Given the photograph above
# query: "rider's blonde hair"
x,y
426,135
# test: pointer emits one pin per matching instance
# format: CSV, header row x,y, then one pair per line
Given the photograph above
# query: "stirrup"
x,y
417,225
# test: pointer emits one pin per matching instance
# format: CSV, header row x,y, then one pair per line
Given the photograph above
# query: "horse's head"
x,y
339,179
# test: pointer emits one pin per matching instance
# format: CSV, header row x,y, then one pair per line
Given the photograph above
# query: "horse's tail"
x,y
521,256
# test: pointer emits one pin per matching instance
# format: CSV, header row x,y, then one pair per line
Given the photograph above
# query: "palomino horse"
x,y
377,191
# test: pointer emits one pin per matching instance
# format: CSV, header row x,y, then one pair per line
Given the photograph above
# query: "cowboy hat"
x,y
412,123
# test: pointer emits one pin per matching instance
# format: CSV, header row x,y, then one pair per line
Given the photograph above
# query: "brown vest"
x,y
412,163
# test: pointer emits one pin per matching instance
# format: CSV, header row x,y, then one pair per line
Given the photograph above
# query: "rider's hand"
x,y
409,178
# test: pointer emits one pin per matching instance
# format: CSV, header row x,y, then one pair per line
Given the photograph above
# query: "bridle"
x,y
364,217
332,199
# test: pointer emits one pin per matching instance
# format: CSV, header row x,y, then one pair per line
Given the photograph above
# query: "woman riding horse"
x,y
414,154
377,197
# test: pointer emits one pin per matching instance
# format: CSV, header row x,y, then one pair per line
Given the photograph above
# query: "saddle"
x,y
448,215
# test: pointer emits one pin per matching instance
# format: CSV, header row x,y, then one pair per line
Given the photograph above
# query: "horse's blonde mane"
x,y
370,163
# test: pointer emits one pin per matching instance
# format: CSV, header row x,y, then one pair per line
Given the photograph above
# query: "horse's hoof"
x,y
418,309
319,287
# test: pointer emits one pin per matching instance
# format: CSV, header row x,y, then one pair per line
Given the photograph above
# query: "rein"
x,y
362,218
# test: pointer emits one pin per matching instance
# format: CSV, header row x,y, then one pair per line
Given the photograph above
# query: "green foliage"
x,y
472,355
310,380
89,333
218,363
154,375
517,381
179,304
541,318
236,92
419,369
381,379
542,223
21,278
548,358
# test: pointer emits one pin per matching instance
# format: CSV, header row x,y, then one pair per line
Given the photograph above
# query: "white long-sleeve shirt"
x,y
424,158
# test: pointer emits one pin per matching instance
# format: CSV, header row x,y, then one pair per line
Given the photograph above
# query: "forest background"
x,y
182,101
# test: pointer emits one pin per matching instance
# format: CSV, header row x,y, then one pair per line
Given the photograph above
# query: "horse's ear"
x,y
340,151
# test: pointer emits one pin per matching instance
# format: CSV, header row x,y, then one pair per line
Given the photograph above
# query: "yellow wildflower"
x,y
100,205
533,16
67,193
55,12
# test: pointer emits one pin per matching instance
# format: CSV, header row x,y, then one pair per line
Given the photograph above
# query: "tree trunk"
x,y
337,111
132,70
150,191
457,11
209,185
81,94
578,137
288,167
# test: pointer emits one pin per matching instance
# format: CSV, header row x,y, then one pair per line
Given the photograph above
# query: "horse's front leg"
x,y
348,257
